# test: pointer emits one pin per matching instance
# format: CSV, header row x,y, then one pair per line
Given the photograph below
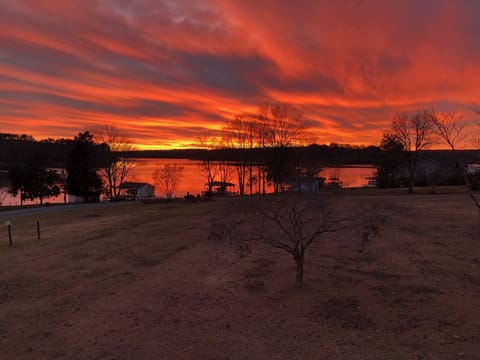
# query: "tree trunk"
x,y
299,260
411,173
250,174
259,185
242,174
264,181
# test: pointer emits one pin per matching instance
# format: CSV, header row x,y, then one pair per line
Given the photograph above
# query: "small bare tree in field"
x,y
414,131
449,127
167,178
292,223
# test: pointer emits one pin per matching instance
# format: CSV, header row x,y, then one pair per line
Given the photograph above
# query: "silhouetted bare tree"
x,y
224,170
280,127
209,165
241,133
414,131
291,223
116,166
280,124
167,178
449,127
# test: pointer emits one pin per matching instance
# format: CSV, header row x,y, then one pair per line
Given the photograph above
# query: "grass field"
x,y
142,281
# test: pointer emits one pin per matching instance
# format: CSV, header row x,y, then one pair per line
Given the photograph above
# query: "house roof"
x,y
134,185
220,183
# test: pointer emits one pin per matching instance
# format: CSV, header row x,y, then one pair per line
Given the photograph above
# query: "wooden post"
x,y
10,235
38,229
9,227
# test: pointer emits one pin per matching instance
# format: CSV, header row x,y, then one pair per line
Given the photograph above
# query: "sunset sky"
x,y
168,71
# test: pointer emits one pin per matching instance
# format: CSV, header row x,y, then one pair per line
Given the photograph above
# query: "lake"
x,y
193,178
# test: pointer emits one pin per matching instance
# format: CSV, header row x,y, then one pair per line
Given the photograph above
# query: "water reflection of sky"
x,y
350,176
194,178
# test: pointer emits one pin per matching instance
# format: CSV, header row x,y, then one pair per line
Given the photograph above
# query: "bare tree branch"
x,y
241,133
414,131
167,178
449,127
476,109
117,166
288,222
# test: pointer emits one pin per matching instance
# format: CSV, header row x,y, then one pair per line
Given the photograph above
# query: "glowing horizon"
x,y
167,73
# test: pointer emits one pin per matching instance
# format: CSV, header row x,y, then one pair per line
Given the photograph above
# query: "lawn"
x,y
142,281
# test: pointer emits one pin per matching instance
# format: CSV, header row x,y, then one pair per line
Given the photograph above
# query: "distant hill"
x,y
327,154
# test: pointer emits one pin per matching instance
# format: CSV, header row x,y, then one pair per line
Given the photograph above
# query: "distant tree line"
x,y
41,169
12,146
48,168
330,155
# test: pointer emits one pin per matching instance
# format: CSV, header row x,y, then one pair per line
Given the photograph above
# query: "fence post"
x,y
38,229
9,227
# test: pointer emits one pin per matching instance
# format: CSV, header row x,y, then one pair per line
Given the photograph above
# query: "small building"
x,y
72,199
310,184
137,190
473,169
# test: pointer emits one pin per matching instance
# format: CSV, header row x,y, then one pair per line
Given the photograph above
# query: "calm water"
x,y
193,178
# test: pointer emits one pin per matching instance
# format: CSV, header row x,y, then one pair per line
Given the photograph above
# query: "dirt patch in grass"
x,y
344,312
142,281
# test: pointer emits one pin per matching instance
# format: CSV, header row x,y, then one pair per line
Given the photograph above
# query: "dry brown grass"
x,y
142,281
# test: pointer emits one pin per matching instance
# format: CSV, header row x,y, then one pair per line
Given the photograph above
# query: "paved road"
x,y
27,211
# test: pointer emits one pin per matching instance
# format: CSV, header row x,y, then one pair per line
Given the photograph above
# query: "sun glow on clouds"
x,y
169,71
